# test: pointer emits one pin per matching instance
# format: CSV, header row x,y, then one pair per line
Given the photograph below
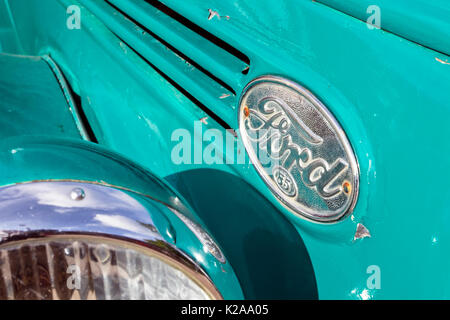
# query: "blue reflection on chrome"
x,y
49,206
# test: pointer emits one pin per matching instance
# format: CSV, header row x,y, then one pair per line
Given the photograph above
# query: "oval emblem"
x,y
299,149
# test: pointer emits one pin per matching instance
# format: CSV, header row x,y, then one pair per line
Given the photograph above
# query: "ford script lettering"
x,y
299,149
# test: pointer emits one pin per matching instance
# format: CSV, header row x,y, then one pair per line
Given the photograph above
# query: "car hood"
x,y
424,22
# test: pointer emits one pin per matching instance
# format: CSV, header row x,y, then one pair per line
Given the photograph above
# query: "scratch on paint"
x,y
213,14
442,61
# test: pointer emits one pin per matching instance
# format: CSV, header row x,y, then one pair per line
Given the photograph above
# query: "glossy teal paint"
x,y
374,84
424,22
9,41
390,95
32,100
223,65
266,252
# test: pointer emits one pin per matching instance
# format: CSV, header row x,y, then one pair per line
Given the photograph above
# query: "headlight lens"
x,y
93,268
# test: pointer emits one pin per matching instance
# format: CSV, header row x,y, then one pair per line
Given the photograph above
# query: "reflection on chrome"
x,y
70,240
49,206
208,243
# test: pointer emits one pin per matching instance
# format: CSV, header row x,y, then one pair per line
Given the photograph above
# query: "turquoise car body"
x,y
140,74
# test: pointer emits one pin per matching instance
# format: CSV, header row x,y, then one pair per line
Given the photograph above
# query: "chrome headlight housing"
x,y
77,240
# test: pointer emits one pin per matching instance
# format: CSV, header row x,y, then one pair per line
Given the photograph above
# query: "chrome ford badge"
x,y
299,149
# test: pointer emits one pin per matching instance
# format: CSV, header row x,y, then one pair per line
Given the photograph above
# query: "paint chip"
x,y
213,14
361,232
225,95
14,151
233,133
204,120
442,61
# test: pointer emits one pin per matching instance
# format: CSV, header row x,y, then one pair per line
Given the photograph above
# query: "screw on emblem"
x,y
347,187
246,111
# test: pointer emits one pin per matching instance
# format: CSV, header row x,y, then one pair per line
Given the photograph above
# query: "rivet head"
x,y
77,194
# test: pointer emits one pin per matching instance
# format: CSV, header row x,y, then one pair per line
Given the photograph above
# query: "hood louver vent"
x,y
203,67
